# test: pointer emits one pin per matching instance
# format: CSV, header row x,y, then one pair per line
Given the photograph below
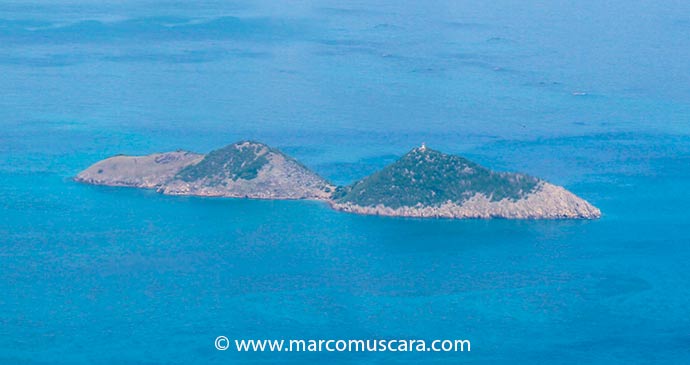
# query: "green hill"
x,y
229,162
430,178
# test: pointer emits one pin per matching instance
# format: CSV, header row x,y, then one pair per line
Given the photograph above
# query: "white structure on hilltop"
x,y
423,147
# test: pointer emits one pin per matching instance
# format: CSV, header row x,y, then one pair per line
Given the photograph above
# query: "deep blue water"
x,y
587,95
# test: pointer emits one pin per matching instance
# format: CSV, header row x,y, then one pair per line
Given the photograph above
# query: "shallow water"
x,y
593,97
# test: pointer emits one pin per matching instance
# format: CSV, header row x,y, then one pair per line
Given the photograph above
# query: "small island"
x,y
242,170
422,183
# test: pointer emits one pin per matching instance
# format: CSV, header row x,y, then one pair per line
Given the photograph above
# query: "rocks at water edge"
x,y
423,183
428,183
242,170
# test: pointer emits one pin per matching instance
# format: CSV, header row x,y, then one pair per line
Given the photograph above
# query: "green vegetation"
x,y
430,178
234,161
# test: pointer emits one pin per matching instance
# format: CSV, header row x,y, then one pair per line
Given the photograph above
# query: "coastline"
x,y
423,183
534,206
477,207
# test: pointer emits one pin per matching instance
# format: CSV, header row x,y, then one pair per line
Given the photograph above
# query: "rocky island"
x,y
242,170
423,183
428,183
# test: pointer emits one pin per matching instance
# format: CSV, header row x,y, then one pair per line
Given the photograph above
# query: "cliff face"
x,y
427,183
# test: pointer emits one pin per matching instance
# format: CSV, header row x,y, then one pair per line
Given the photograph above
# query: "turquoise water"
x,y
590,96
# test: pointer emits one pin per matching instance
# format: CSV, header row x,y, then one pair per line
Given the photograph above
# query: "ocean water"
x,y
589,95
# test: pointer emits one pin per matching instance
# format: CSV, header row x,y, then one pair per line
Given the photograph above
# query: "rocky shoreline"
x,y
273,174
256,171
547,202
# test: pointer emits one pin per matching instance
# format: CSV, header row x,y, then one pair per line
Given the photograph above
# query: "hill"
x,y
428,183
243,170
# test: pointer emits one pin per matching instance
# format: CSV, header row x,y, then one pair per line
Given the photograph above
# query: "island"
x,y
428,183
422,183
241,170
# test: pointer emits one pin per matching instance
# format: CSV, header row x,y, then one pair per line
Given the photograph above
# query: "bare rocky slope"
x,y
423,183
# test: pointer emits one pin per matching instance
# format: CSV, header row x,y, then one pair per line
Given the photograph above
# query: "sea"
x,y
590,95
